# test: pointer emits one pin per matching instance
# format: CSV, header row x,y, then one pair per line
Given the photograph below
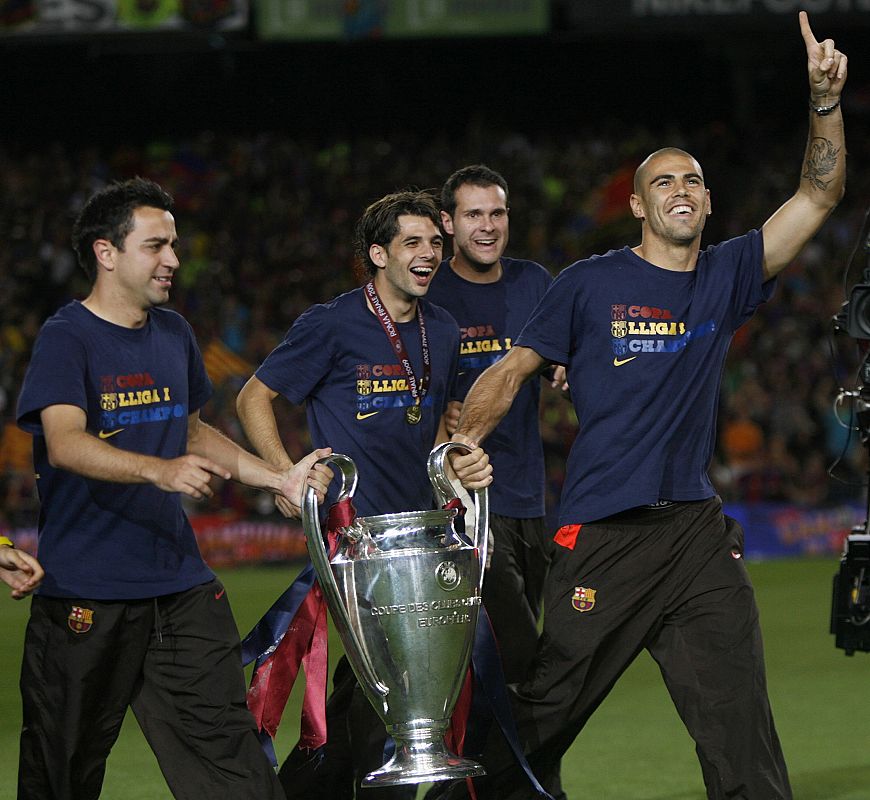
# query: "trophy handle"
x,y
444,493
355,652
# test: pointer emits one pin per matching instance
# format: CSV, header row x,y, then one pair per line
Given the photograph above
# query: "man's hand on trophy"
x,y
303,474
473,469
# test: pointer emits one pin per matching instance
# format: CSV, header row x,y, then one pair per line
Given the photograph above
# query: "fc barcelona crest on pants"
x,y
583,599
80,619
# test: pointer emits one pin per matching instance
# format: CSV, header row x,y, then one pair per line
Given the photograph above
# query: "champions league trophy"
x,y
404,593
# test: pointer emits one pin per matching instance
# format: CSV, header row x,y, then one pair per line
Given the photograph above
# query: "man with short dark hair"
x,y
491,296
128,613
375,367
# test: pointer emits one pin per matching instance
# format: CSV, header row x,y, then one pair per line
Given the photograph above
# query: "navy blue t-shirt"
x,y
490,317
644,348
114,541
337,358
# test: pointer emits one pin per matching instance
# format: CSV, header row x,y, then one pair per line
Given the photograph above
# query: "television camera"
x,y
850,607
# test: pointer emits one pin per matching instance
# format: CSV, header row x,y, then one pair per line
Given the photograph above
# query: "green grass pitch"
x,y
634,747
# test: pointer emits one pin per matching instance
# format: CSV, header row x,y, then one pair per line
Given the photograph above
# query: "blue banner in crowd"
x,y
774,530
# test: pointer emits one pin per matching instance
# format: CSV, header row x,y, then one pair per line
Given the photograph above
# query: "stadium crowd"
x,y
265,224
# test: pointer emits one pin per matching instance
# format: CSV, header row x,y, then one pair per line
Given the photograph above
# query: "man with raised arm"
x,y
646,558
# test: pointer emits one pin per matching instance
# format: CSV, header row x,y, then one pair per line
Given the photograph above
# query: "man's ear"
x,y
378,255
104,251
636,207
447,223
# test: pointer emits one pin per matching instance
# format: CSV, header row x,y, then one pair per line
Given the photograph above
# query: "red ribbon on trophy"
x,y
291,634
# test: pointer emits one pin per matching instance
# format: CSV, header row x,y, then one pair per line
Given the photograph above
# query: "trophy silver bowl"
x,y
404,594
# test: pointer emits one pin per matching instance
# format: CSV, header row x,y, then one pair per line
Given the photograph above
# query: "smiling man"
x,y
672,201
491,296
128,613
645,558
375,368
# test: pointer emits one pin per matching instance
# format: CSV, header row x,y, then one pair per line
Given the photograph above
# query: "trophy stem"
x,y
421,757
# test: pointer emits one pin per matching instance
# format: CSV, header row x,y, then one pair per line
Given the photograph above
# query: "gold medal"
x,y
413,414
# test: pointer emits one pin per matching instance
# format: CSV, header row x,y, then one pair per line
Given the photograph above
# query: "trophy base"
x,y
422,762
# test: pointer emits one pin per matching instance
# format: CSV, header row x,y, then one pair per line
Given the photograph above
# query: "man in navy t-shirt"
x,y
646,558
128,613
375,367
491,297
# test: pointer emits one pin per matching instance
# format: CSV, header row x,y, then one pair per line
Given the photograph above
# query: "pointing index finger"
x,y
806,30
215,469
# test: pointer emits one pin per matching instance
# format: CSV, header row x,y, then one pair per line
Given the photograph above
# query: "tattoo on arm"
x,y
821,161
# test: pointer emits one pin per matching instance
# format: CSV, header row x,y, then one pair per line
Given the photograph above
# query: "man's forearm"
x,y
822,184
485,406
493,393
823,172
254,407
243,466
83,454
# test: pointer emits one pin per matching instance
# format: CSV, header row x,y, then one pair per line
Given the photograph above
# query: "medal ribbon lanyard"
x,y
418,389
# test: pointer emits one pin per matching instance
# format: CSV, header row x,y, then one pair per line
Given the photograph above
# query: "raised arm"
x,y
823,174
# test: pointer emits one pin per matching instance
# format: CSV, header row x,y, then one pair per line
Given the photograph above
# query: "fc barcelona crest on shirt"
x,y
583,599
80,619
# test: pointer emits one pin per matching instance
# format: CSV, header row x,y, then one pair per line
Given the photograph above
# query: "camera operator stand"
x,y
850,609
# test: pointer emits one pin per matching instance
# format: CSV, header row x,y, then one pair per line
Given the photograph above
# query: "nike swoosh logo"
x,y
219,595
618,362
109,434
365,416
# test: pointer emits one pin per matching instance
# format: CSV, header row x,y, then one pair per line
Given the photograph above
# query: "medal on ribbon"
x,y
417,388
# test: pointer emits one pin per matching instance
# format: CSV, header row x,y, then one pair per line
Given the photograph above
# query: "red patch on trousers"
x,y
566,536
